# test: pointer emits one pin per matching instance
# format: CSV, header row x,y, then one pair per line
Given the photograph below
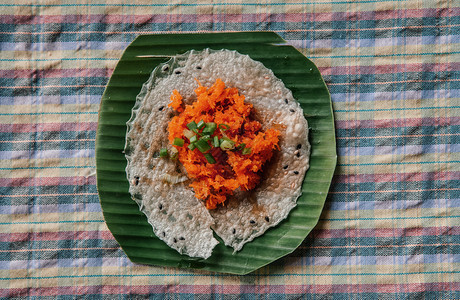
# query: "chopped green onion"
x,y
164,152
226,139
200,124
205,138
209,128
191,146
216,141
202,145
175,153
246,151
188,134
178,142
224,126
193,139
192,125
241,146
209,158
226,144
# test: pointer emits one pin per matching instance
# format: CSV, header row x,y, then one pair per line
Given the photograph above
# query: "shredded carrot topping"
x,y
176,101
217,177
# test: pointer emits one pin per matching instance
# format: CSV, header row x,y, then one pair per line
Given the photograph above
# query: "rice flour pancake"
x,y
160,186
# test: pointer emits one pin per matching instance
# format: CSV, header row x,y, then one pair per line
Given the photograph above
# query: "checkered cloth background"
x,y
390,227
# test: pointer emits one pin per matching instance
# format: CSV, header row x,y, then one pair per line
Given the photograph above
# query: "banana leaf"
x,y
130,227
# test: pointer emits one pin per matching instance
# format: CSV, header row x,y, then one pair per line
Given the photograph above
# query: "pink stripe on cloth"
x,y
205,17
397,123
56,236
228,289
385,232
397,177
40,127
388,69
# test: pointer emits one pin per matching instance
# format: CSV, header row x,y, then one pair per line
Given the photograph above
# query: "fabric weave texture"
x,y
390,226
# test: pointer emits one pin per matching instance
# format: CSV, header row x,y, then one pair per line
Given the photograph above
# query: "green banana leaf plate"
x,y
129,226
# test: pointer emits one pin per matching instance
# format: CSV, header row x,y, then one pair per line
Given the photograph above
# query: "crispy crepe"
x,y
161,187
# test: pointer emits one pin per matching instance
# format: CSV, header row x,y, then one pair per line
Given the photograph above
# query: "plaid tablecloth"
x,y
390,227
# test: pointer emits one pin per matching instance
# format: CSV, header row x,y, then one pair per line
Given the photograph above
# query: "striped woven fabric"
x,y
390,228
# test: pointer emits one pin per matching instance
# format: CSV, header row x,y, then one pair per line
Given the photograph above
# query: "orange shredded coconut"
x,y
176,101
212,183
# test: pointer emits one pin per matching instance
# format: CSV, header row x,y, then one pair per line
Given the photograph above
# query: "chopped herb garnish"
x,y
178,142
226,139
216,141
164,152
241,146
188,134
227,144
210,158
192,125
174,152
200,124
246,151
202,145
209,128
205,138
191,146
193,139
